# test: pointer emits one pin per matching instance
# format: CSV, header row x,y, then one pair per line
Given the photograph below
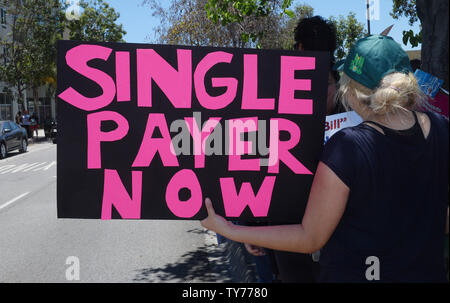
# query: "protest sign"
x,y
149,131
428,83
335,123
437,98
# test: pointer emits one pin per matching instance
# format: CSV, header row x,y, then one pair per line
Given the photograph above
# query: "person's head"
x,y
377,79
315,34
318,34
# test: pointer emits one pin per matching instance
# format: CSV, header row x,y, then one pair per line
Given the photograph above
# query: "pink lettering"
x,y
123,76
200,138
250,98
279,150
95,136
150,146
77,58
206,100
236,203
114,193
288,85
237,147
151,66
184,209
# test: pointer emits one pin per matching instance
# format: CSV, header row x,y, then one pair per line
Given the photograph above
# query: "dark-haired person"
x,y
319,34
380,192
311,34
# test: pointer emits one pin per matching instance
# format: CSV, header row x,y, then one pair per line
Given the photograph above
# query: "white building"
x,y
8,97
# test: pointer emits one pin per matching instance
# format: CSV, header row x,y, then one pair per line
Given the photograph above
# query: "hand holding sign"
x,y
215,222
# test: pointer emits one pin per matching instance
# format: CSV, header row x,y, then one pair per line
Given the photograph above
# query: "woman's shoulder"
x,y
437,118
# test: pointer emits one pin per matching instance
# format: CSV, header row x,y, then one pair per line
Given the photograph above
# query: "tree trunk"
x,y
433,15
20,99
36,100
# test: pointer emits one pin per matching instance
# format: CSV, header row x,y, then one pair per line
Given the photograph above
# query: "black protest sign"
x,y
149,131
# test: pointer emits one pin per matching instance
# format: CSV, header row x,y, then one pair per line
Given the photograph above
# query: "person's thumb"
x,y
209,207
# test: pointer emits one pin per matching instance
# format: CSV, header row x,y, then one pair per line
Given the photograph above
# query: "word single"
x,y
152,67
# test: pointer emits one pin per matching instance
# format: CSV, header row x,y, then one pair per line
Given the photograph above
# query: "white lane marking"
x,y
47,167
36,166
13,200
23,167
6,167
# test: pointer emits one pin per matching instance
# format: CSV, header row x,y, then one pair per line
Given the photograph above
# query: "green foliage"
x,y
98,22
186,22
31,53
407,8
287,39
348,31
412,38
227,12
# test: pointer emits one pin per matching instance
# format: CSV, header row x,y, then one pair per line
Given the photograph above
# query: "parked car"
x,y
12,136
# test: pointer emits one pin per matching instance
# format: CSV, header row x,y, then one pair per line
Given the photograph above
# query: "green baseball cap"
x,y
372,58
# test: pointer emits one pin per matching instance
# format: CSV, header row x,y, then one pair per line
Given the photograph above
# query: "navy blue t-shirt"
x,y
397,205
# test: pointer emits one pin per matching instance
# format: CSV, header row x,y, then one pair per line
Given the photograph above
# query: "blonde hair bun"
x,y
396,91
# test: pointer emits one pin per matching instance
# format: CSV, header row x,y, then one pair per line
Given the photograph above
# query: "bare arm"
x,y
326,205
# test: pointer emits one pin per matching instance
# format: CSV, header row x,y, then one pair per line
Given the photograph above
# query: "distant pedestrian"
x,y
34,124
26,122
19,118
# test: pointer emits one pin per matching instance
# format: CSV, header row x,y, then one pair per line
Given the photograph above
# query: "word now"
x,y
129,207
152,67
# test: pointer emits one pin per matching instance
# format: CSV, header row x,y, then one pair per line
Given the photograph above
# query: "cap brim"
x,y
339,66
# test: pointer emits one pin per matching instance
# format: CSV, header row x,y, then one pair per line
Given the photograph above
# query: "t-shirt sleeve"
x,y
340,154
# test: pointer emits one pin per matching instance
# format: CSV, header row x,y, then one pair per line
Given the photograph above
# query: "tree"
x,y
407,8
286,38
98,22
30,46
348,31
433,16
248,15
30,56
186,22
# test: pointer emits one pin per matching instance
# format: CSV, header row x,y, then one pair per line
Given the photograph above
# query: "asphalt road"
x,y
35,246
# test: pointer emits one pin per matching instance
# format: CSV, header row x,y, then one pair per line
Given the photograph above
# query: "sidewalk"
x,y
40,138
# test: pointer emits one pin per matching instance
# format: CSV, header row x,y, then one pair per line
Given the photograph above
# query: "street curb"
x,y
216,255
230,259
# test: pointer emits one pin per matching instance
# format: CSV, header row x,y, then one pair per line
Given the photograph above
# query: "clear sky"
x,y
139,22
